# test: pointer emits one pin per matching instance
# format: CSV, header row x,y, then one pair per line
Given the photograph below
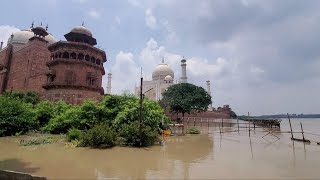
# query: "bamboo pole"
x,y
238,125
302,132
290,126
249,125
222,122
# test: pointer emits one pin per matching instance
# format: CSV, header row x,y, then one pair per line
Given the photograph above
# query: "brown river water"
x,y
210,155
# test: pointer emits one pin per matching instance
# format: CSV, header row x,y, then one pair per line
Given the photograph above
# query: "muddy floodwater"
x,y
210,155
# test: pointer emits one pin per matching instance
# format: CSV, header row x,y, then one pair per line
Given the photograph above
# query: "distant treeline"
x,y
286,116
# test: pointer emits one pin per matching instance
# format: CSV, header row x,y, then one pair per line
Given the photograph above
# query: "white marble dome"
x,y
161,71
168,78
23,36
81,30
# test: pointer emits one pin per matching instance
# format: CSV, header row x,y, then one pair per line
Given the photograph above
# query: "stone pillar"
x,y
209,92
109,83
183,78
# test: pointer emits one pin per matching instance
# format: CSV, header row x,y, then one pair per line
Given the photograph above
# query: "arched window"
x,y
80,56
60,54
87,58
65,55
70,77
98,61
73,56
56,55
52,56
93,60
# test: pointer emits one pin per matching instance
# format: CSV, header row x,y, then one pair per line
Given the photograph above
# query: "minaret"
x,y
183,78
209,92
109,83
1,45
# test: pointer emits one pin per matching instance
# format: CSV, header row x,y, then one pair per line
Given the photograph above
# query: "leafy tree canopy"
x,y
186,98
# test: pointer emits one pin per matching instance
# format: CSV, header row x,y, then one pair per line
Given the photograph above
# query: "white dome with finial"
x,y
23,36
82,30
161,71
168,78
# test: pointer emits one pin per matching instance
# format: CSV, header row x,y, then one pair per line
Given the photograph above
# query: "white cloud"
x,y
94,14
117,20
151,21
135,3
5,33
125,73
80,1
172,37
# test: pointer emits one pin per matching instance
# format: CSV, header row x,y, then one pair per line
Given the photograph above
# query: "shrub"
x,y
73,134
193,130
100,136
16,117
63,122
27,97
131,135
80,117
46,110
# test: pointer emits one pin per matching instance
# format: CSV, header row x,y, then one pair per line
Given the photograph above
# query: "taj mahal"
x,y
162,78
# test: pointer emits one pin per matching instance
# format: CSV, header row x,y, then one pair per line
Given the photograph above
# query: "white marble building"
x,y
162,78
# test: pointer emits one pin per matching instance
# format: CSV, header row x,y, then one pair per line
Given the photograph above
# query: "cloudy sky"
x,y
260,56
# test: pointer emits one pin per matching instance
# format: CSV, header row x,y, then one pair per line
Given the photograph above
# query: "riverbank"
x,y
204,156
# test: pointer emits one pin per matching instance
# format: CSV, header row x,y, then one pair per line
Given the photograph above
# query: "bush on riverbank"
x,y
100,136
73,134
132,136
16,117
118,114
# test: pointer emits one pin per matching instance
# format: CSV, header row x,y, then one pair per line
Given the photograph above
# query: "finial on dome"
x,y
82,23
41,24
32,24
47,27
162,59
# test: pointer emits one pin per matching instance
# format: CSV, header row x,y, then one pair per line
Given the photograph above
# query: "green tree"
x,y
27,97
186,98
16,116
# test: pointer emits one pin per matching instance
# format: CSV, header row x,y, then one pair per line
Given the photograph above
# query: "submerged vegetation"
x,y
193,130
115,119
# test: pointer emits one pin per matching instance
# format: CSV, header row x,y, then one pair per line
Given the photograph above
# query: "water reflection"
x,y
17,165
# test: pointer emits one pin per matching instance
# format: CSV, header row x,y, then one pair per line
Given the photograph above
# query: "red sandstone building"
x,y
69,70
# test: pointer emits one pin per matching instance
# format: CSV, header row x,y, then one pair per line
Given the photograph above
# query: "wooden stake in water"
x,y
249,124
222,123
238,124
290,126
302,132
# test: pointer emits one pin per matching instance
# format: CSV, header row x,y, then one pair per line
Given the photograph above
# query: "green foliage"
x,y
73,134
193,130
46,110
186,98
100,136
37,141
16,116
80,117
131,135
27,97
